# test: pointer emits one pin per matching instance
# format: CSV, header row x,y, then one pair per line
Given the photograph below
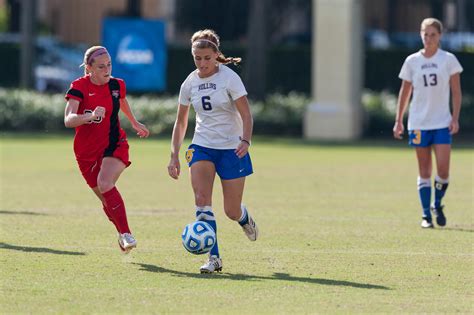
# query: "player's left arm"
x,y
455,84
243,107
141,129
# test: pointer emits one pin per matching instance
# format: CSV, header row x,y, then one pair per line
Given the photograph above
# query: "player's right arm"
x,y
72,119
456,95
179,131
403,98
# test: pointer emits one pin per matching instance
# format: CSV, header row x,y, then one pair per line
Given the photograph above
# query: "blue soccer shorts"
x,y
426,138
228,164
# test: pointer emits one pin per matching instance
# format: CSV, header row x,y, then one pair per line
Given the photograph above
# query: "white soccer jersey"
x,y
218,122
429,107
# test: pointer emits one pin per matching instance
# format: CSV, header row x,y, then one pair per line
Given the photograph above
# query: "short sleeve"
x,y
123,88
406,72
185,93
453,65
235,86
75,92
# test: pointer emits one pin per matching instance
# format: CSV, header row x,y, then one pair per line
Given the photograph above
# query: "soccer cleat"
x,y
440,218
251,229
426,223
126,242
213,264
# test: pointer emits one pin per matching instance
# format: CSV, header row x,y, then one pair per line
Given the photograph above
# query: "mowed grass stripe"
x,y
339,234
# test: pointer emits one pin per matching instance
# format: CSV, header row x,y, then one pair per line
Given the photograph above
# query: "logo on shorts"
x,y
415,136
115,93
189,155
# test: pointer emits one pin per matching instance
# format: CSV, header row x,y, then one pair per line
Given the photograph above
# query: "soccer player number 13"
x,y
430,79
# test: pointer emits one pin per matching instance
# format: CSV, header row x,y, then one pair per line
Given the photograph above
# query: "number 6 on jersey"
x,y
206,104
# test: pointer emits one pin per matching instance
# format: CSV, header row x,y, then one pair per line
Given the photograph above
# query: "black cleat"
x,y
440,218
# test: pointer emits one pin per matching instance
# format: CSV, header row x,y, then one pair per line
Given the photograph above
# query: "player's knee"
x,y
425,173
233,214
443,174
202,199
104,185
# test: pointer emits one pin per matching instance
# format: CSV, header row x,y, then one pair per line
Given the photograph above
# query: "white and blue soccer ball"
x,y
198,237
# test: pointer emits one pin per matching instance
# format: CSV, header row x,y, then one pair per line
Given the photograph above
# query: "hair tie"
x,y
208,41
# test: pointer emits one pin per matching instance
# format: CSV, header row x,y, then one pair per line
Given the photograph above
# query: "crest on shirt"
x,y
189,155
115,93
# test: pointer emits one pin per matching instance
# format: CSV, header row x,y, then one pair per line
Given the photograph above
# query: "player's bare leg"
x,y
203,174
235,210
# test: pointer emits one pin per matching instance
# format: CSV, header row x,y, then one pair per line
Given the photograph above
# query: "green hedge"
x,y
380,111
278,115
22,110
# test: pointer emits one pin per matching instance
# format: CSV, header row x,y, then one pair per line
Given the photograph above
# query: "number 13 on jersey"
x,y
430,79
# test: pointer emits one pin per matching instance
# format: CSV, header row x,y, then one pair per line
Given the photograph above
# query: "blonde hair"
x,y
209,39
432,22
90,55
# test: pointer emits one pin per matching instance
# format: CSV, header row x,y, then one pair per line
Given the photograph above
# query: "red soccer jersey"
x,y
99,137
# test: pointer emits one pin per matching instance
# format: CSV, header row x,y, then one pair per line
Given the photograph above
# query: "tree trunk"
x,y
255,61
28,38
134,8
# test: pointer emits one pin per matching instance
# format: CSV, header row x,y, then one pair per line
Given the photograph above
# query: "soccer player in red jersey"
x,y
100,145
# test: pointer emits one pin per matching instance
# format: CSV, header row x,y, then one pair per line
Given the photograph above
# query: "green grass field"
x,y
339,231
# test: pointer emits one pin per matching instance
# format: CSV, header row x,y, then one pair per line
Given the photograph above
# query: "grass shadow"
x,y
276,276
28,249
458,229
21,212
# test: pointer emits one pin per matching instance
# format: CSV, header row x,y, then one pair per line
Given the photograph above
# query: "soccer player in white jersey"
x,y
221,137
430,74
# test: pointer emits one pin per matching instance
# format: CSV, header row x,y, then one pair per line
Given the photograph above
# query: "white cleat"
x,y
427,223
126,242
214,264
251,229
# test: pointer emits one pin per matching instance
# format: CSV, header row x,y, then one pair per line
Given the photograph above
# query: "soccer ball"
x,y
198,237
